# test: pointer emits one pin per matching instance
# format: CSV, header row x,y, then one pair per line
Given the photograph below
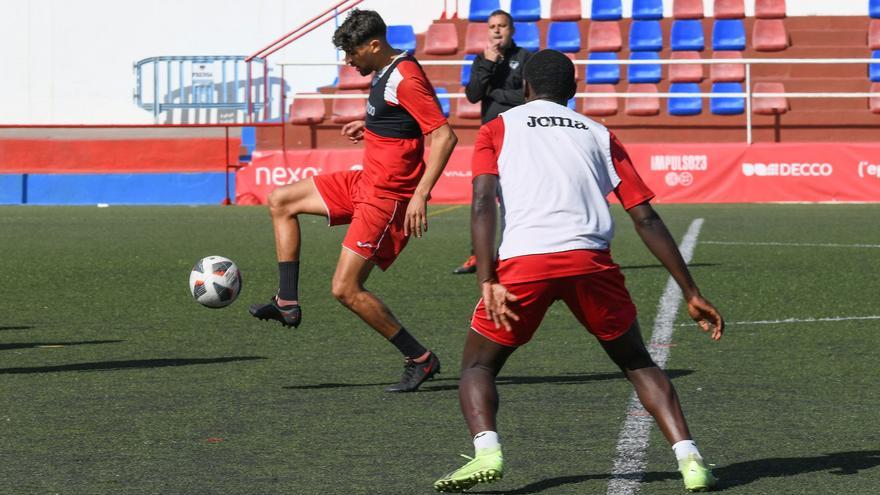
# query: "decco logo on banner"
x,y
787,169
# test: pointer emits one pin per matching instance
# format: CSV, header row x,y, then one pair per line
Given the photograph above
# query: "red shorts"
x,y
599,300
376,231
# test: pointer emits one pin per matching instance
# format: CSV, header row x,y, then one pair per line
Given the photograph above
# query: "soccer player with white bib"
x,y
551,168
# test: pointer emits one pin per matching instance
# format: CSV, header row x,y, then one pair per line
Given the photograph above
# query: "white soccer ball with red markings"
x,y
215,282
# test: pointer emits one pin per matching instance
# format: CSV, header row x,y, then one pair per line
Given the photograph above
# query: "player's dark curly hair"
x,y
360,26
550,74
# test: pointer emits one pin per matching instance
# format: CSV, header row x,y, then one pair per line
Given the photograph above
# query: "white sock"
x,y
685,447
486,440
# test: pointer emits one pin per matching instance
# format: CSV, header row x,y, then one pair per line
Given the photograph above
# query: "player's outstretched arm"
x,y
354,131
443,141
659,241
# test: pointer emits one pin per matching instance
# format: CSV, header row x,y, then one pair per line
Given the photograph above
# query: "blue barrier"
x,y
198,188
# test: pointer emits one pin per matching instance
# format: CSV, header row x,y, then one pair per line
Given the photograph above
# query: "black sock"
x,y
407,344
288,287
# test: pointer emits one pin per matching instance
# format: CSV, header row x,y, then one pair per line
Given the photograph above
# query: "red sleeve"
x,y
416,96
631,191
487,147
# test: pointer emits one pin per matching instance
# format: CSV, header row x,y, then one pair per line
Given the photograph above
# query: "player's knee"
x,y
637,360
344,291
281,203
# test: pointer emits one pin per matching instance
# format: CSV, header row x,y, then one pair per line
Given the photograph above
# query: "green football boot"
x,y
486,467
697,477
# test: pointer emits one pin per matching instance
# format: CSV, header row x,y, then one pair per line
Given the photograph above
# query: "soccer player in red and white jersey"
x,y
551,169
384,203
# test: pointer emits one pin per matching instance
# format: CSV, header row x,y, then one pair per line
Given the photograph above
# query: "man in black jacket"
x,y
496,81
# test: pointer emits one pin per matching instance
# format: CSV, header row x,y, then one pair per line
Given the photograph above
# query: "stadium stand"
x,y
874,9
526,35
727,72
729,9
350,78
687,9
564,36
603,74
480,9
874,101
645,36
643,107
475,39
606,10
644,73
306,111
775,105
601,106
525,10
402,37
874,69
874,34
467,110
685,72
443,99
577,68
347,110
466,69
647,10
565,10
604,36
769,35
685,105
687,35
727,105
769,9
728,34
442,39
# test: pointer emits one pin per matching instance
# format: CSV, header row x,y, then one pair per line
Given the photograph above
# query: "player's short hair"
x,y
359,27
504,13
550,73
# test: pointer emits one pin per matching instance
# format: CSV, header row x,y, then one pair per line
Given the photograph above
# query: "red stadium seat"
x,y
874,34
441,39
306,111
601,106
577,68
729,9
687,9
643,107
874,101
476,38
775,105
604,36
347,110
727,72
769,35
769,9
685,72
565,10
350,78
467,110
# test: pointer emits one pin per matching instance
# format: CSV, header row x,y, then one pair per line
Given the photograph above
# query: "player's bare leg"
x,y
348,288
285,204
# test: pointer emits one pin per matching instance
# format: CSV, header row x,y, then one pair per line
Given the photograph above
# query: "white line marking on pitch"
x,y
629,464
793,320
790,244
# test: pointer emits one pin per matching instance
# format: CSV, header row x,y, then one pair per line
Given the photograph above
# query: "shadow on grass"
x,y
126,365
561,379
20,327
659,266
741,473
31,345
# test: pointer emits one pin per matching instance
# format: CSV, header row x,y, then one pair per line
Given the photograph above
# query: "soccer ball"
x,y
215,281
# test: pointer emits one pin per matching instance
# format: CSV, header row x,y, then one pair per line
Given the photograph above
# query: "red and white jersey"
x,y
555,168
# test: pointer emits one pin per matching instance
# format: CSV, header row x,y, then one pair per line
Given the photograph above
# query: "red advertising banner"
x,y
678,173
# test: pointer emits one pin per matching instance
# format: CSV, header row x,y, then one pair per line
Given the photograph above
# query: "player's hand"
x,y
354,131
707,317
492,52
416,219
496,298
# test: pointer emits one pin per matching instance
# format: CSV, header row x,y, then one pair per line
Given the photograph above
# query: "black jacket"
x,y
498,85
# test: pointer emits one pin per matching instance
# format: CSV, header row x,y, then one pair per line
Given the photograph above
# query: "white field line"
x,y
629,463
790,244
792,320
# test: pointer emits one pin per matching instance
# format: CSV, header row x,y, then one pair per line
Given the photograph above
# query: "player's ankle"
x,y
424,357
286,302
685,448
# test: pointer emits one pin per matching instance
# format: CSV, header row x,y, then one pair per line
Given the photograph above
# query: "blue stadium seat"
x,y
564,36
687,35
729,34
603,74
874,69
647,10
645,36
527,36
443,100
685,105
525,10
248,143
572,103
728,105
466,69
480,9
606,10
402,37
649,73
874,9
